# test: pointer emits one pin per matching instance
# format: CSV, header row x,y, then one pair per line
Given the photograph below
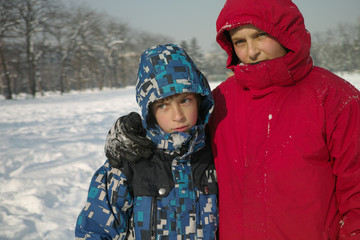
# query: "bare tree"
x,y
111,44
8,22
215,64
338,49
62,49
33,15
65,38
197,53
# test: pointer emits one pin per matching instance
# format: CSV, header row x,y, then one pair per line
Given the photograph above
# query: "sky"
x,y
186,19
50,147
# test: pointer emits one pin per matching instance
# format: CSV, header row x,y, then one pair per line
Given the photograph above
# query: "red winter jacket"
x,y
286,137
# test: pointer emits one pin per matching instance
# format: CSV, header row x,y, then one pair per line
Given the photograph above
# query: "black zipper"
x,y
153,217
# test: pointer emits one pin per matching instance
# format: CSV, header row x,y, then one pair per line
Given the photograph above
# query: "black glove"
x,y
127,140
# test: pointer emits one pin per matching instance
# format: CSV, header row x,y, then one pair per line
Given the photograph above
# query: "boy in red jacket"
x,y
285,134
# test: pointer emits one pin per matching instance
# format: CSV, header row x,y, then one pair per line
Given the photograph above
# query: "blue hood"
x,y
165,70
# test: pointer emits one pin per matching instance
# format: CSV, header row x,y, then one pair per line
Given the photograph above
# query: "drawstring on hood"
x,y
165,70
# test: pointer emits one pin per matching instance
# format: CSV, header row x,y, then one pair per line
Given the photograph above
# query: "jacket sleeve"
x,y
344,146
108,210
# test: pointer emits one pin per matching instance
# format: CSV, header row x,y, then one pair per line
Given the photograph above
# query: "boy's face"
x,y
253,45
176,113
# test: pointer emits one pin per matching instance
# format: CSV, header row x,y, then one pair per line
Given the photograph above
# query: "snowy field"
x,y
49,149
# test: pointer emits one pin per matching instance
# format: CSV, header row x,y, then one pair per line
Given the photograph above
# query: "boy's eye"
x,y
238,42
185,100
262,34
161,106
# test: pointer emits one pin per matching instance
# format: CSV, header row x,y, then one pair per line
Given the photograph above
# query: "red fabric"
x,y
286,137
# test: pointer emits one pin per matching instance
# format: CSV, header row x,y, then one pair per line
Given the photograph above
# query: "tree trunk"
x,y
7,85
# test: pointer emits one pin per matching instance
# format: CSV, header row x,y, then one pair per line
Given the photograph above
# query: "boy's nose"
x,y
253,51
178,114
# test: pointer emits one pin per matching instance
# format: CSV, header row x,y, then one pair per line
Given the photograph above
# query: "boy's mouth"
x,y
181,129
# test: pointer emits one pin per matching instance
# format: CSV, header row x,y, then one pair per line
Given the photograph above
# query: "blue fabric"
x,y
109,206
165,70
112,212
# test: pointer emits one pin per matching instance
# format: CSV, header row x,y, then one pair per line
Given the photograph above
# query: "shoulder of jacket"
x,y
123,173
226,85
334,85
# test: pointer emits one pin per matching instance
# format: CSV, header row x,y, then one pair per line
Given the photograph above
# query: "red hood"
x,y
281,19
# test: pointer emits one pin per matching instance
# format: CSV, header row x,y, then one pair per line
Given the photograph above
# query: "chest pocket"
x,y
154,177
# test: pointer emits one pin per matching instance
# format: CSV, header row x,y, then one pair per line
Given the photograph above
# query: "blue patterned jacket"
x,y
163,199
173,195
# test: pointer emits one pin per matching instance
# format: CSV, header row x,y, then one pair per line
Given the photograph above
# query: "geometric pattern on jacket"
x,y
179,205
172,195
165,70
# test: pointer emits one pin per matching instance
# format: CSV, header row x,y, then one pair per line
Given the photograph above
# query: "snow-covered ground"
x,y
49,149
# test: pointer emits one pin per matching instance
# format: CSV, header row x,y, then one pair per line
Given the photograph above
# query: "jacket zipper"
x,y
153,218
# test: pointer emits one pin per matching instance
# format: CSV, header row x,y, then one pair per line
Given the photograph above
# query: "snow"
x,y
49,149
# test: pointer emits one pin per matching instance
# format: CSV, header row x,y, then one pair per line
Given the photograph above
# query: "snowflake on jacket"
x,y
173,194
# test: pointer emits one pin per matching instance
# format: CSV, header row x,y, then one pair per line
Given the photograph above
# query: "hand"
x,y
127,140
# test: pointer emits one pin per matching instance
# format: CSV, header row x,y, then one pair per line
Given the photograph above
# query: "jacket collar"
x,y
178,143
263,75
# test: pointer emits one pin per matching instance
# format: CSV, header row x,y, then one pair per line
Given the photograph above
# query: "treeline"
x,y
47,46
338,49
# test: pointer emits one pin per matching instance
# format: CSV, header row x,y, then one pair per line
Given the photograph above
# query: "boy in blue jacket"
x,y
172,194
